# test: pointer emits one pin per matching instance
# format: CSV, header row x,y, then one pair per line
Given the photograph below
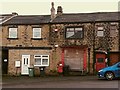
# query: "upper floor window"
x,y
113,30
13,32
74,32
100,31
36,32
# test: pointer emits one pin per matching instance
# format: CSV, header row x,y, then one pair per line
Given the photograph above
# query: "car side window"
x,y
119,65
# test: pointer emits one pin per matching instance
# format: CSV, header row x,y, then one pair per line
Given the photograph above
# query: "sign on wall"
x,y
17,63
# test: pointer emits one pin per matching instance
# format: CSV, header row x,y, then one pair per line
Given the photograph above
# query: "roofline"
x,y
49,22
91,13
25,24
83,22
61,23
7,19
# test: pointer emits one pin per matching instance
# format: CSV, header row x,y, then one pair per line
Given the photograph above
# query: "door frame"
x,y
5,60
22,67
100,65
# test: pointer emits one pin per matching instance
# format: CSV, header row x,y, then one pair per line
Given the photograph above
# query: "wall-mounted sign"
x,y
17,63
5,60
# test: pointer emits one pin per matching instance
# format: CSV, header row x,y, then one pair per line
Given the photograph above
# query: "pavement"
x,y
6,80
57,82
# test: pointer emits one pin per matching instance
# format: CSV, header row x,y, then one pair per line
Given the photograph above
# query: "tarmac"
x,y
55,82
28,79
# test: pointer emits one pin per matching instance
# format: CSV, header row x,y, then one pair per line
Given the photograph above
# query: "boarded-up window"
x,y
113,30
74,58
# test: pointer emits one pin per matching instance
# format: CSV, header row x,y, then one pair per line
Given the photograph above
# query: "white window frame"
x,y
100,31
38,30
41,57
13,30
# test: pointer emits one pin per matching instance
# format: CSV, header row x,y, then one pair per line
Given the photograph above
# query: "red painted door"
x,y
100,61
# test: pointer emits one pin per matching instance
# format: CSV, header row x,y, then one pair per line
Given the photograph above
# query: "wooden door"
x,y
100,61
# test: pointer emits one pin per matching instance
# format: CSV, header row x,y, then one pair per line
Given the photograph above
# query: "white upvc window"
x,y
100,31
41,60
12,32
36,32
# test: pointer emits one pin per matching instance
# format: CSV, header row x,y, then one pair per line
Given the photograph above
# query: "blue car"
x,y
110,72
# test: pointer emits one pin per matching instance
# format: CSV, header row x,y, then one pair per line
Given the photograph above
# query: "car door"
x,y
117,71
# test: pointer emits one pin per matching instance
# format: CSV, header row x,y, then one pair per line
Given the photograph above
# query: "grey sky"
x,y
36,7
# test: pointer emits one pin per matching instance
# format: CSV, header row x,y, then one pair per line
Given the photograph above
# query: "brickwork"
x,y
89,36
25,36
91,40
50,38
15,54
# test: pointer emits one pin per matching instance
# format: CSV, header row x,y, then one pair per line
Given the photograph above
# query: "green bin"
x,y
42,71
31,71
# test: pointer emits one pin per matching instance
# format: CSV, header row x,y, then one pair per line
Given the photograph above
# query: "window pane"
x,y
78,29
100,60
37,56
37,61
12,32
44,61
100,33
45,56
69,34
100,28
78,32
36,32
71,29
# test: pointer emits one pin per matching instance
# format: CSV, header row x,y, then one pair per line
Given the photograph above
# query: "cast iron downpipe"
x,y
94,47
119,36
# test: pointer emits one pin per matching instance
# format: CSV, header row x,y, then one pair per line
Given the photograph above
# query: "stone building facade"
x,y
83,41
91,44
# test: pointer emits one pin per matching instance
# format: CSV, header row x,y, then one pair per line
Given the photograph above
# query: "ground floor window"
x,y
41,60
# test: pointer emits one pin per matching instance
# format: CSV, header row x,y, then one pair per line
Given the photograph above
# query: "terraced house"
x,y
86,42
3,19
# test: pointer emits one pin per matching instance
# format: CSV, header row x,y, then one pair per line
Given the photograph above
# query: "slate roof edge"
x,y
53,22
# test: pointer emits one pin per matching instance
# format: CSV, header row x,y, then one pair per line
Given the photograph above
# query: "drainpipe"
x,y
119,38
93,47
88,60
108,56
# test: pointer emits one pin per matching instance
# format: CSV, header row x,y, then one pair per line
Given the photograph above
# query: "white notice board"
x,y
17,63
